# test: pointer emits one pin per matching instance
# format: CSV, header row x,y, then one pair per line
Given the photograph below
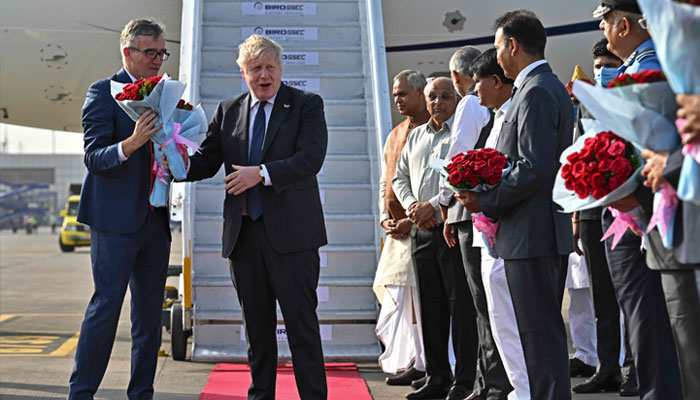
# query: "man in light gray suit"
x,y
533,238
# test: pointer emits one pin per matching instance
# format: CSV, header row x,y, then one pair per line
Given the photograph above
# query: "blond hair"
x,y
254,47
140,27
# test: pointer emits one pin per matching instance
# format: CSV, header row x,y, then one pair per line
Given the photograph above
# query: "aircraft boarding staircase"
x,y
329,48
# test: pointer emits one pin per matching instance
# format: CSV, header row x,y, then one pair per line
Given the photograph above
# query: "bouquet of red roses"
x,y
604,163
466,171
181,122
476,171
598,169
647,76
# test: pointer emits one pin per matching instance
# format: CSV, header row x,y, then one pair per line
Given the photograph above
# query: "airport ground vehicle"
x,y
73,233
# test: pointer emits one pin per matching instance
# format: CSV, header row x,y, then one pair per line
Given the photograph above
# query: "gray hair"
x,y
463,58
435,80
415,78
632,17
140,27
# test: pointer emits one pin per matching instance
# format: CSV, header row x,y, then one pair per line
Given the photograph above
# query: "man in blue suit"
x,y
130,239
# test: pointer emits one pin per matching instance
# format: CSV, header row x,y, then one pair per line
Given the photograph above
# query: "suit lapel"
x,y
241,131
279,112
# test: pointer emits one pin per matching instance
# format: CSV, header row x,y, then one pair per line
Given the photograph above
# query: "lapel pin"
x,y
285,105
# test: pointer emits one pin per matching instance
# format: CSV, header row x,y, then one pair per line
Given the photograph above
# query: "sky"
x,y
15,139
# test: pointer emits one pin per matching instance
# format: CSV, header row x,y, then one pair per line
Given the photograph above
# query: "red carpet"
x,y
231,382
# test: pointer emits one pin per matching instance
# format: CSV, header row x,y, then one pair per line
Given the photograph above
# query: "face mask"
x,y
604,75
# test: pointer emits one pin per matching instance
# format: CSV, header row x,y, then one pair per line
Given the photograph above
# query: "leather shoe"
x,y
405,378
428,392
629,386
457,392
475,396
599,383
420,382
579,368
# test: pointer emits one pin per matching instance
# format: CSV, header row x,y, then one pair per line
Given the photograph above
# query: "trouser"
x,y
139,260
444,295
262,277
647,323
492,380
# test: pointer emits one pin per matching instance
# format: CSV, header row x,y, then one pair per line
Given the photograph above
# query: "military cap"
x,y
623,5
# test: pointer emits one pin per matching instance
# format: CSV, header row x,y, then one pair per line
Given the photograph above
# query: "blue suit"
x,y
130,246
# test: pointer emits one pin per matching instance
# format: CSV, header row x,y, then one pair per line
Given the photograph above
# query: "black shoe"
x,y
458,392
578,368
405,378
629,386
419,383
599,383
429,392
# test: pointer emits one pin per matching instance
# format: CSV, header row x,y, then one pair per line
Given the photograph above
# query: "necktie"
x,y
253,205
512,93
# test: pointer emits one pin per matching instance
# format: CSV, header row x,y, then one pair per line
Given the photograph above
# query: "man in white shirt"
x,y
470,130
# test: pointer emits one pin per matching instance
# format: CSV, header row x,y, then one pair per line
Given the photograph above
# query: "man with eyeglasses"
x,y
441,280
130,239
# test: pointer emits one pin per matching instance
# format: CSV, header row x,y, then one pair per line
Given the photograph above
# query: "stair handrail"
x,y
190,67
380,78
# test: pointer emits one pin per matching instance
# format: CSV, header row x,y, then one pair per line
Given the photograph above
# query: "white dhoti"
x,y
398,326
581,315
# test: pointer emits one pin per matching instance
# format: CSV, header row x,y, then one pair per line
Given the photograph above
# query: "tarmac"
x,y
43,294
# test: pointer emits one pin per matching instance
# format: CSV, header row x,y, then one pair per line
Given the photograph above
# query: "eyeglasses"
x,y
443,96
152,53
644,23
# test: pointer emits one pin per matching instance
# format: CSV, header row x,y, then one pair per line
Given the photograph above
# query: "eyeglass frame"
x,y
163,55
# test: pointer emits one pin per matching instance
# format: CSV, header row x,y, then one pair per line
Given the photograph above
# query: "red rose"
x,y
586,154
565,170
573,157
181,103
490,152
578,168
495,179
120,96
581,190
601,144
617,148
455,178
616,181
478,165
592,167
458,158
599,193
585,178
570,184
498,162
620,166
597,180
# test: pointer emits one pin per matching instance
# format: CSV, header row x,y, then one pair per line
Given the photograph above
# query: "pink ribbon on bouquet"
x,y
159,171
619,226
179,140
664,210
487,226
690,149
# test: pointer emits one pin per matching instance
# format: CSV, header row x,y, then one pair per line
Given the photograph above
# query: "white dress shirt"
x,y
491,141
470,118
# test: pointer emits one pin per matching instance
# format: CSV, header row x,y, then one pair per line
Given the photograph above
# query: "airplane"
x,y
51,51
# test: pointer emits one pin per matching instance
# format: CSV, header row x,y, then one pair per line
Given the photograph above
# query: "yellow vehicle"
x,y
73,233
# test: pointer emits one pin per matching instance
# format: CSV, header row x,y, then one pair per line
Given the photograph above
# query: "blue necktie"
x,y
253,205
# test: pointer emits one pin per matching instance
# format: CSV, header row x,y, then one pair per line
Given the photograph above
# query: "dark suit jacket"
x,y
114,196
537,127
293,152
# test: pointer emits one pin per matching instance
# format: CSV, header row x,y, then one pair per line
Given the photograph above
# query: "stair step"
x,y
327,85
320,34
346,11
298,61
204,316
337,112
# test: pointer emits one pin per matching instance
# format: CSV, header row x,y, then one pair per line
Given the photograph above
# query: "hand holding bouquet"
x,y
181,122
476,171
